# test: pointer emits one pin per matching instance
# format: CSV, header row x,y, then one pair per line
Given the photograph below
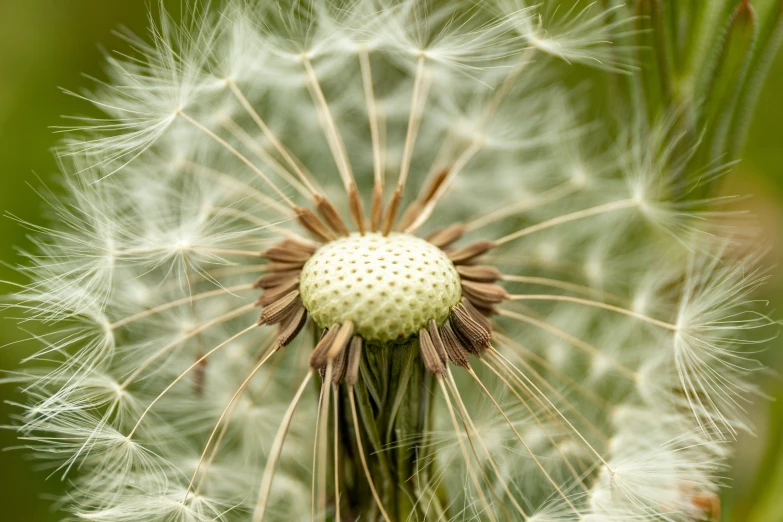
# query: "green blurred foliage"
x,y
49,43
44,44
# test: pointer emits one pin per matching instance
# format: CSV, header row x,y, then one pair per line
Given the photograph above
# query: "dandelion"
x,y
474,304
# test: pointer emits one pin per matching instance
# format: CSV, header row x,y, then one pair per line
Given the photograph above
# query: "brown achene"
x,y
468,329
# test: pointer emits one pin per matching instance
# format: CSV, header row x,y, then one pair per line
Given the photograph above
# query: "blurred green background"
x,y
45,44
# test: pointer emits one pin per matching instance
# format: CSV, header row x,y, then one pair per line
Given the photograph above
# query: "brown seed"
x,y
315,226
434,185
425,196
341,341
437,341
477,314
275,278
284,267
281,254
340,366
471,332
273,294
429,354
319,357
485,294
479,273
354,358
376,210
330,214
410,215
291,326
277,311
482,310
470,252
357,208
200,374
455,350
299,245
446,236
391,212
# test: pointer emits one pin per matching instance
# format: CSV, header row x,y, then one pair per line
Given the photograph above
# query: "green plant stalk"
x,y
394,413
769,41
656,74
729,77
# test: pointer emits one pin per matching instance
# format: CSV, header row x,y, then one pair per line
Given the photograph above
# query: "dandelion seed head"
x,y
389,235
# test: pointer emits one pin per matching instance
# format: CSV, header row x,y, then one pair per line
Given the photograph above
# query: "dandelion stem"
x,y
223,414
233,271
539,200
418,98
557,283
244,188
505,87
253,146
521,440
181,248
476,145
221,319
556,409
212,276
574,216
183,374
377,155
318,414
282,149
575,341
244,216
454,171
208,464
274,454
178,302
230,252
468,460
333,137
595,304
241,157
465,415
319,447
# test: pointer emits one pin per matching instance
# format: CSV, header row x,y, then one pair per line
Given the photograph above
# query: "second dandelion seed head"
x,y
388,286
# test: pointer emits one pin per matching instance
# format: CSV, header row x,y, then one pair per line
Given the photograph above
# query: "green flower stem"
x,y
656,76
768,43
394,405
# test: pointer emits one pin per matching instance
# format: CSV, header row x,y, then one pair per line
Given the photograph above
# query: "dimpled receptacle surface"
x,y
390,287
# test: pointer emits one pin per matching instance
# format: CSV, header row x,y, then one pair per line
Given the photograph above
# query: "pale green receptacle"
x,y
389,286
